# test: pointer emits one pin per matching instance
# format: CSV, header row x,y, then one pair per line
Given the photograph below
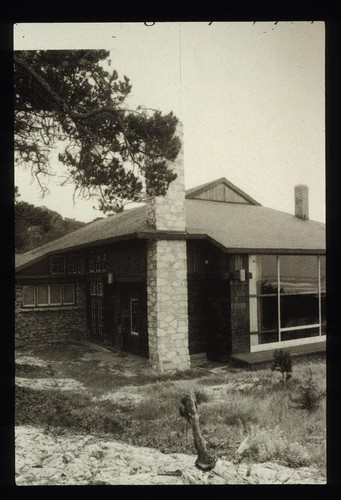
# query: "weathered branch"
x,y
205,461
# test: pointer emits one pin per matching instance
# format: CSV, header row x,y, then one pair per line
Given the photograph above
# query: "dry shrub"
x,y
270,444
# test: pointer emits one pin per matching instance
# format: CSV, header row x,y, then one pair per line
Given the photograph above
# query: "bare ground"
x,y
60,457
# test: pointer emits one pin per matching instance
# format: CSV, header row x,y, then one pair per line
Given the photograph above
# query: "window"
x,y
97,262
323,293
42,295
57,264
287,297
48,295
55,295
28,295
73,264
263,301
96,289
91,262
68,294
134,328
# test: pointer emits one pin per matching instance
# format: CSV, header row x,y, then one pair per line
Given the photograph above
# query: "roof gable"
x,y
220,190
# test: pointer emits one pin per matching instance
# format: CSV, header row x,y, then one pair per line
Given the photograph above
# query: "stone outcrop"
x,y
43,458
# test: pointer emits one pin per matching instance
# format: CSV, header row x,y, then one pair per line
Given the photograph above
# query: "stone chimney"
x,y
167,213
167,277
301,202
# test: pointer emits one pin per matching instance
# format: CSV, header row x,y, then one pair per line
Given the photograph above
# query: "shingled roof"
x,y
235,227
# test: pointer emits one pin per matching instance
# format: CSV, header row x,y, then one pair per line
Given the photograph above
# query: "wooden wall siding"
x,y
116,317
218,320
197,316
209,317
222,193
41,268
128,259
204,257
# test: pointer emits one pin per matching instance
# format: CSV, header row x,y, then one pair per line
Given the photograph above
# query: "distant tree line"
x,y
35,226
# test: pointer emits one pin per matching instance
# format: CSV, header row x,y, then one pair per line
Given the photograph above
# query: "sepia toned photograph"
x,y
170,253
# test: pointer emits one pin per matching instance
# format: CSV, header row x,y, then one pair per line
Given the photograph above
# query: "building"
x,y
206,271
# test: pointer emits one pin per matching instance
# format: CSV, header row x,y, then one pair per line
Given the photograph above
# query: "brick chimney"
x,y
301,202
167,276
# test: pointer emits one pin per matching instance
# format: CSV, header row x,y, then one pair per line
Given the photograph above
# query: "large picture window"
x,y
48,295
287,298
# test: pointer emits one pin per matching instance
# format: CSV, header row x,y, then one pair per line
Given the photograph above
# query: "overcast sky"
x,y
251,98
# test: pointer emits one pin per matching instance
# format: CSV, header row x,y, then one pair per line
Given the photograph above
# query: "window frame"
x,y
48,304
97,261
64,303
34,296
133,300
254,315
60,258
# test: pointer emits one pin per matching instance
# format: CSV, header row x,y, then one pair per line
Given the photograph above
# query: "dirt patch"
x,y
22,359
63,384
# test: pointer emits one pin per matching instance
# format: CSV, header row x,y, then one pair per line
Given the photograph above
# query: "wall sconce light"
x,y
110,278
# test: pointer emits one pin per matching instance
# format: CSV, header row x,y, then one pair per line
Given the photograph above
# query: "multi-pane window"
x,y
73,264
96,289
57,264
97,262
48,295
287,297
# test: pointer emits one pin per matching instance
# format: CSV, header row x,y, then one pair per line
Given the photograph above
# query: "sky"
x,y
251,97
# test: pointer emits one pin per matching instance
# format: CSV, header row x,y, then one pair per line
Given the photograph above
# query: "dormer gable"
x,y
220,190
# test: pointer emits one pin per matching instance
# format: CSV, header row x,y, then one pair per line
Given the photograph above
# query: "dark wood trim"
x,y
172,235
51,278
271,251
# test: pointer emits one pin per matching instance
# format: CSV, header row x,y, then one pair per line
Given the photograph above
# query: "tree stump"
x,y
188,409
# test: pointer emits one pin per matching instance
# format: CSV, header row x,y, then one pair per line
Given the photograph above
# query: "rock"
x,y
46,459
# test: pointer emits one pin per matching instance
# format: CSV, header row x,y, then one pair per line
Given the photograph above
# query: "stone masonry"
x,y
167,278
167,213
38,327
167,305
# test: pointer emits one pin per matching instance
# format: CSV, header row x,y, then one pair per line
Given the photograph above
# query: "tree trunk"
x,y
205,461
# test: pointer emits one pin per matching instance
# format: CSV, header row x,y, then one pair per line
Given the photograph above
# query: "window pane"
x,y
42,295
323,313
300,334
57,264
264,313
298,274
68,294
323,273
98,262
91,262
264,274
28,295
134,315
55,294
267,337
299,310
